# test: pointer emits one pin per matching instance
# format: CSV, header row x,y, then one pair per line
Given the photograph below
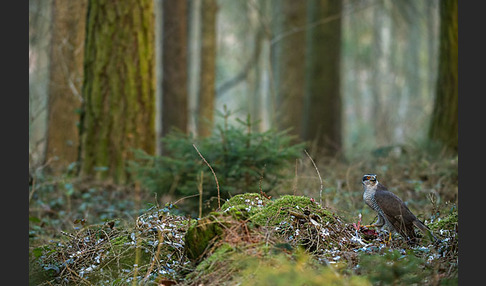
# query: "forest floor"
x,y
90,232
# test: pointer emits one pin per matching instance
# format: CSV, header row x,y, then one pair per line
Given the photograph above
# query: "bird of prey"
x,y
392,212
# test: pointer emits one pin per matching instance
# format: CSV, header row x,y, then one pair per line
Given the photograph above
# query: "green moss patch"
x,y
302,222
289,207
293,221
246,205
202,234
449,222
253,200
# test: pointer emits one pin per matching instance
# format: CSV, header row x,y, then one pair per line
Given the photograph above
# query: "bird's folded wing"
x,y
396,212
390,203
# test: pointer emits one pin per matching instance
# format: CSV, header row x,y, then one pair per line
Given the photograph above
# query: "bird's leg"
x,y
379,223
369,225
388,240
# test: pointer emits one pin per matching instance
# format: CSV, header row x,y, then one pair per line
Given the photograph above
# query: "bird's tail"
x,y
425,230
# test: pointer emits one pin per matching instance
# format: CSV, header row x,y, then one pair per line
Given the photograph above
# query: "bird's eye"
x,y
368,177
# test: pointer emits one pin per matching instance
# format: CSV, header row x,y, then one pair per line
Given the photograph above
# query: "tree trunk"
x,y
432,44
118,88
322,124
444,122
67,48
174,65
382,75
40,34
265,91
193,63
208,68
289,65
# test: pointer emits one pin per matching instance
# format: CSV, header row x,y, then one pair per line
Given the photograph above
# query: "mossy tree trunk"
x,y
322,121
208,68
444,122
118,88
66,73
174,67
288,64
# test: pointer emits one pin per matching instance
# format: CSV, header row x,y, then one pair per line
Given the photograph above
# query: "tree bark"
x,y
289,65
40,34
118,88
174,65
322,123
208,68
194,63
67,48
444,122
382,75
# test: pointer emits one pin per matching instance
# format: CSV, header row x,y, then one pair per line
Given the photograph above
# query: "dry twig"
x,y
294,185
319,174
214,174
200,191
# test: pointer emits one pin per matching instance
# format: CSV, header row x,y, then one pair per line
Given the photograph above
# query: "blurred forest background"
x,y
352,79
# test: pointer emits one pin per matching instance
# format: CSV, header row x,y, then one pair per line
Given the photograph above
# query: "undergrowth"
x,y
73,220
244,161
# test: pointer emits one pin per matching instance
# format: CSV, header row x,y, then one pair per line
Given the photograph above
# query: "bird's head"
x,y
369,180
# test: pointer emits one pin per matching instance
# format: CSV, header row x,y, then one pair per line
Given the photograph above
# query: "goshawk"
x,y
392,212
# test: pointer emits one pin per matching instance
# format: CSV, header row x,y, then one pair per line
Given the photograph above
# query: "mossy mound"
x,y
291,220
289,206
246,205
300,221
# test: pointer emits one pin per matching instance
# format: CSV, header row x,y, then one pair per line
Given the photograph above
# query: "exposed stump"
x,y
202,234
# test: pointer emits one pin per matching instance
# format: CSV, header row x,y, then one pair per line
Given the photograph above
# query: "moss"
x,y
303,218
298,269
256,265
280,210
447,223
130,81
218,256
244,206
391,268
223,266
201,234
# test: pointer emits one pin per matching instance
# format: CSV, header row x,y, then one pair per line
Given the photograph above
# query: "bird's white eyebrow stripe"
x,y
370,175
